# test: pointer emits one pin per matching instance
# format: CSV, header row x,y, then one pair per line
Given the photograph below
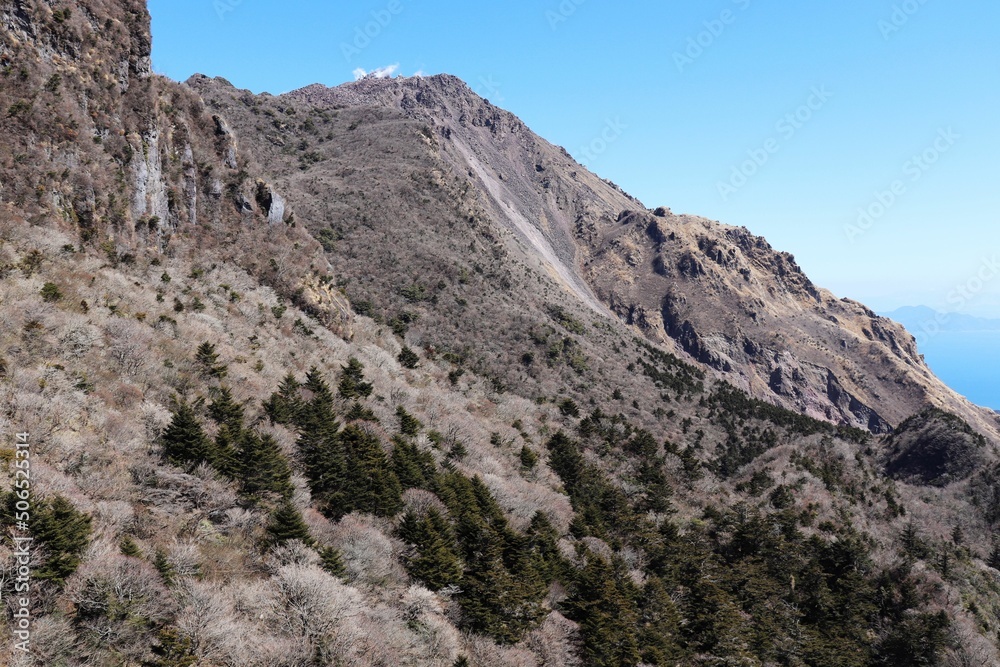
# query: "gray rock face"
x,y
228,141
150,191
276,213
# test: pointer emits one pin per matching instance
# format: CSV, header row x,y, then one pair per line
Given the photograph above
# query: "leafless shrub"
x,y
554,642
370,556
117,600
128,346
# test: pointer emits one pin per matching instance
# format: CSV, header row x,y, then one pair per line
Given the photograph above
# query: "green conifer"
x,y
286,524
370,485
352,384
64,533
262,467
208,359
284,405
408,424
184,441
435,559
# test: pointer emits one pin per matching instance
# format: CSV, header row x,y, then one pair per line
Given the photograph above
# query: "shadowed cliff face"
x,y
717,294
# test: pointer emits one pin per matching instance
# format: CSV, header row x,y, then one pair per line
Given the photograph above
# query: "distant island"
x,y
923,321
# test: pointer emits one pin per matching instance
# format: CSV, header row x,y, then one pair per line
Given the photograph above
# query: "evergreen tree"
x,y
228,414
184,441
164,567
603,603
129,548
352,381
659,625
315,384
408,358
529,459
64,534
543,544
408,424
435,560
370,484
359,412
495,601
286,524
262,467
208,359
284,405
994,558
321,448
331,561
414,468
224,410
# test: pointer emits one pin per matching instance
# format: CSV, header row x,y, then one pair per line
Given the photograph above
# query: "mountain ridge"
x,y
831,358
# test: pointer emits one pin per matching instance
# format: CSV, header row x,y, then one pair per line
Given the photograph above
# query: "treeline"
x,y
738,584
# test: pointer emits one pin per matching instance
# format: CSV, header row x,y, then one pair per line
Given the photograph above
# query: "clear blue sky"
x,y
887,88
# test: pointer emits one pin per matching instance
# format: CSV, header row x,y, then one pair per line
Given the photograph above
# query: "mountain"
x,y
713,294
921,320
374,375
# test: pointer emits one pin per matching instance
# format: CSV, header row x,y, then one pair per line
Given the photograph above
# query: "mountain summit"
x,y
714,294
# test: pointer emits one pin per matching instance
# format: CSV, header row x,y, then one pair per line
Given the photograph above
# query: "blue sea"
x,y
969,362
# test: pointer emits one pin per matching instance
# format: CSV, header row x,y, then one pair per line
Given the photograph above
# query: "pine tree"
x,y
315,384
64,534
262,467
408,358
370,485
286,524
164,567
543,543
659,625
331,561
602,602
494,600
184,441
408,424
129,548
284,405
435,561
529,459
321,448
228,414
994,559
352,384
225,410
414,468
208,359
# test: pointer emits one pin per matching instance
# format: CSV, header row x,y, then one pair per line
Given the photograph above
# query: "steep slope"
x,y
716,294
